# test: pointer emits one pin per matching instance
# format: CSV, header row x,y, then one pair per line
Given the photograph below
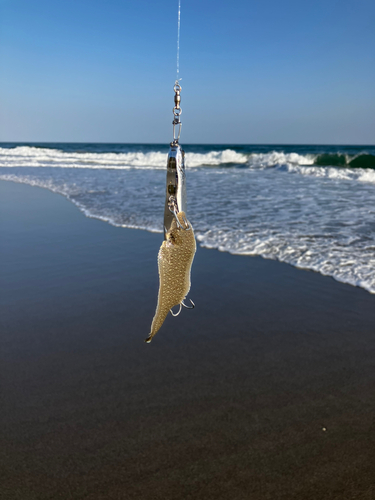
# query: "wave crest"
x,y
343,160
29,156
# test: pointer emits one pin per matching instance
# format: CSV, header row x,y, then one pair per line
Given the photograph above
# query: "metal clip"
x,y
175,199
176,135
177,112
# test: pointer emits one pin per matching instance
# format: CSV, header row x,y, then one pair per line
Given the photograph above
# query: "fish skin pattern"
x,y
175,259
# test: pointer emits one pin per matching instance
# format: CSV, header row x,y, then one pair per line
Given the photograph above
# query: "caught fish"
x,y
175,258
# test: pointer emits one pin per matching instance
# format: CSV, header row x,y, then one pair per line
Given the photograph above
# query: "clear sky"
x,y
262,71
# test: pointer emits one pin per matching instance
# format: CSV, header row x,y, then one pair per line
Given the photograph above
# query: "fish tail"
x,y
161,313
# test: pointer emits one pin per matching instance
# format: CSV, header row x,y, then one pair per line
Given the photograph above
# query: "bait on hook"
x,y
175,258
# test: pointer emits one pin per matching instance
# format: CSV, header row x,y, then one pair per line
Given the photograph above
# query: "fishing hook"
x,y
188,307
173,209
173,314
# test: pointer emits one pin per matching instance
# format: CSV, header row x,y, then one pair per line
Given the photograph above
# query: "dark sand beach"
x,y
266,390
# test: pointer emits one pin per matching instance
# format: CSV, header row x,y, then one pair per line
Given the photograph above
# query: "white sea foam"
x,y
347,174
26,156
44,157
215,158
348,264
276,158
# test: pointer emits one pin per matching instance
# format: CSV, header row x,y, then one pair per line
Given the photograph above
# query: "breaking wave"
x,y
28,156
341,160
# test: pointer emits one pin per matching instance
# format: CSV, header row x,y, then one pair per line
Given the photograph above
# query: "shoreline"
x,y
229,400
87,214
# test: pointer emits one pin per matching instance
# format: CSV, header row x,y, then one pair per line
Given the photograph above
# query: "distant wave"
x,y
341,160
26,156
43,157
343,164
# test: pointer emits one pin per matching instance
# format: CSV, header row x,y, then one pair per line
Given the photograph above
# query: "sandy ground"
x,y
264,391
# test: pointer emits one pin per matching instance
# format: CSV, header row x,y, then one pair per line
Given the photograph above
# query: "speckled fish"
x,y
175,258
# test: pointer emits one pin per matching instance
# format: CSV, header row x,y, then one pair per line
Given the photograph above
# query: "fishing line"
x,y
178,38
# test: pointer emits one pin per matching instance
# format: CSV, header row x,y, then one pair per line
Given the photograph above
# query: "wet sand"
x,y
266,390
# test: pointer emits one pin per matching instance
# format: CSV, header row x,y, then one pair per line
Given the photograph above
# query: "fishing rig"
x,y
177,251
175,200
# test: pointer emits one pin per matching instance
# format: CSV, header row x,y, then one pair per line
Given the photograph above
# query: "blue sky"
x,y
252,72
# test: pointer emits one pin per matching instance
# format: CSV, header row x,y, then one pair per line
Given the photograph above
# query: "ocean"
x,y
310,206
